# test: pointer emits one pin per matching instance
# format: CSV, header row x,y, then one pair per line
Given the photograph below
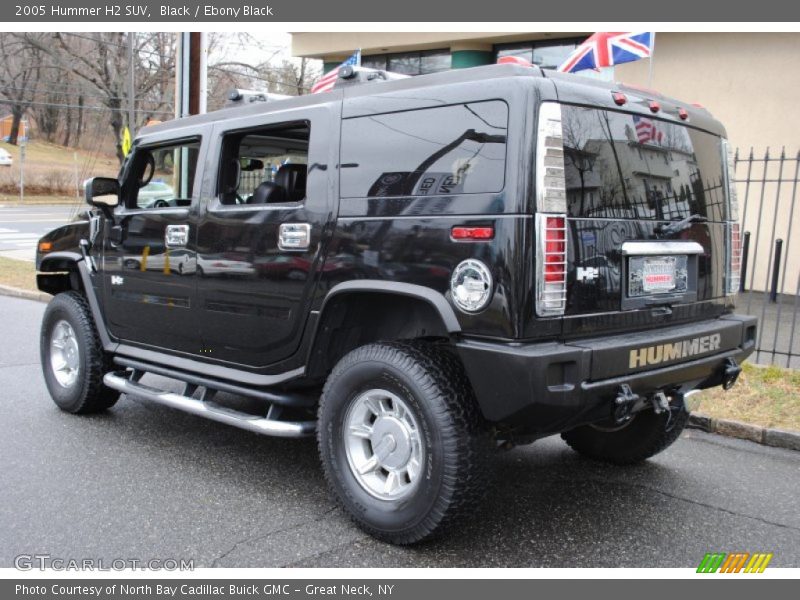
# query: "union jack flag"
x,y
327,81
646,130
609,48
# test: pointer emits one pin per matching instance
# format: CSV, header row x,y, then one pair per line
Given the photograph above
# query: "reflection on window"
x,y
623,166
434,151
165,175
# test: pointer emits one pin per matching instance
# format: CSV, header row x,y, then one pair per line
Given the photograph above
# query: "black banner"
x,y
182,11
396,589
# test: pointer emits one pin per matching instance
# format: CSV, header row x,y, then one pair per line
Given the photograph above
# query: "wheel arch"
x,y
59,272
359,312
65,271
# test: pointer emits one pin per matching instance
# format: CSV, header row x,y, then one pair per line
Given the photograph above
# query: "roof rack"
x,y
350,75
239,97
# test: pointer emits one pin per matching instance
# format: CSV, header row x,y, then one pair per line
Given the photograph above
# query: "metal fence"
x,y
770,282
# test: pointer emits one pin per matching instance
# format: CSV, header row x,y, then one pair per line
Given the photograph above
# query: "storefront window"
x,y
410,63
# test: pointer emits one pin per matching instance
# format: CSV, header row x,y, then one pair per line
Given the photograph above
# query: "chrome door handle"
x,y
294,236
176,236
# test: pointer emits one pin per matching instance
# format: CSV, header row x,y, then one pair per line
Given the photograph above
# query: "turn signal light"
x,y
472,233
45,246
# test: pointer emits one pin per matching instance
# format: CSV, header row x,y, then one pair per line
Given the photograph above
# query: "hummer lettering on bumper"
x,y
653,355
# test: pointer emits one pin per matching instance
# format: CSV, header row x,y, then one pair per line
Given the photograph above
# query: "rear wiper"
x,y
678,226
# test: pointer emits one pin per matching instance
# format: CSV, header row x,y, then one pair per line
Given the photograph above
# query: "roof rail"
x,y
350,75
239,97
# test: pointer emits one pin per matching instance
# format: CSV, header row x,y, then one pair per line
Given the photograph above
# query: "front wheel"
x,y
402,441
73,360
645,435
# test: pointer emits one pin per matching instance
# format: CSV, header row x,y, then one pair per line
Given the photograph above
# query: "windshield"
x,y
624,166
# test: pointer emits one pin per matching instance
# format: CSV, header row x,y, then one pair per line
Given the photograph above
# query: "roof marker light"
x,y
654,106
619,98
683,113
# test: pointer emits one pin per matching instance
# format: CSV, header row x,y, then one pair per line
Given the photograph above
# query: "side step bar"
x,y
127,383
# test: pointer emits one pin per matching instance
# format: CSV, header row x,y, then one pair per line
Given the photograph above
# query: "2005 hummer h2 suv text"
x,y
416,270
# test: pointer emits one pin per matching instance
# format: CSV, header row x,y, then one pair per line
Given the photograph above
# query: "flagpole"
x,y
652,55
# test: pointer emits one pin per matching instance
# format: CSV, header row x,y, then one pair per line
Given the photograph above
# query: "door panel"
x,y
254,287
149,263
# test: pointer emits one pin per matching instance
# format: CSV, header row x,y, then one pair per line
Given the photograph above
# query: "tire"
x,y
79,390
644,436
454,446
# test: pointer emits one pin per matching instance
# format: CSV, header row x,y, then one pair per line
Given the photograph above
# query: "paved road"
x,y
144,481
22,226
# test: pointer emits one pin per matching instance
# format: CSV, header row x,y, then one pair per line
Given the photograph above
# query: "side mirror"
x,y
102,193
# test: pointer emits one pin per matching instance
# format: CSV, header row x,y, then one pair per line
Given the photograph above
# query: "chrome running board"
x,y
127,383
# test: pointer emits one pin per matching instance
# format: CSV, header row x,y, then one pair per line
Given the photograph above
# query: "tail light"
x,y
734,237
551,297
734,258
551,218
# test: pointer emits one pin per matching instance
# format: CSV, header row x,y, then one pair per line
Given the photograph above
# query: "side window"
x,y
163,176
459,149
266,165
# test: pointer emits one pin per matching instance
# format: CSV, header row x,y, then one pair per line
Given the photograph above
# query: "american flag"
x,y
646,130
609,48
327,81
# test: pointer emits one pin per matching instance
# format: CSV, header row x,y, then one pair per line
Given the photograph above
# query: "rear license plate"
x,y
648,275
658,275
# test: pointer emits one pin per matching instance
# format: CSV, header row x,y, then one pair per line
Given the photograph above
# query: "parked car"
x,y
5,158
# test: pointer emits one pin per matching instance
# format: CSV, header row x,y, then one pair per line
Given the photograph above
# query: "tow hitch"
x,y
624,403
730,373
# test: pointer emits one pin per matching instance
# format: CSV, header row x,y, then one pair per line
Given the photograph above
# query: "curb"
x,y
778,438
7,290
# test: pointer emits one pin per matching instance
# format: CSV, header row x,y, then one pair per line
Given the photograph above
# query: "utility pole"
x,y
190,90
131,87
191,87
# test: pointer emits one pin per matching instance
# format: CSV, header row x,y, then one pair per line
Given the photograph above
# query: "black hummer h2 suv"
x,y
416,270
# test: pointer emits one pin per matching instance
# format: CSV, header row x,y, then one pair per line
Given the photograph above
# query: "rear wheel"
x,y
402,442
645,435
73,360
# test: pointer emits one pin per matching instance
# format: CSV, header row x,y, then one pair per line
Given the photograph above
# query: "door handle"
x,y
294,236
176,236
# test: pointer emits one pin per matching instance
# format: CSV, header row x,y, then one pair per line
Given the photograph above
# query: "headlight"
x,y
471,286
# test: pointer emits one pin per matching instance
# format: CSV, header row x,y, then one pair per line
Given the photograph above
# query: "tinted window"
x,y
434,151
266,165
165,176
623,166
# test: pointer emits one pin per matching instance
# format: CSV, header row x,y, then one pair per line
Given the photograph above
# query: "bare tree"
x,y
19,77
101,61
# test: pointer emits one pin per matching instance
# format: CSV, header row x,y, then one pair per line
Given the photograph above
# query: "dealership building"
x,y
749,81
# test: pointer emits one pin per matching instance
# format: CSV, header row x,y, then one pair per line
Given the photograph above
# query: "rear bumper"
x,y
554,386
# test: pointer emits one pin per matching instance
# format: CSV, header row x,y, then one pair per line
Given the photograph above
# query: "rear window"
x,y
458,149
624,166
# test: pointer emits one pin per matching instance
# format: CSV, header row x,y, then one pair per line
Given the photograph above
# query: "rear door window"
x,y
625,166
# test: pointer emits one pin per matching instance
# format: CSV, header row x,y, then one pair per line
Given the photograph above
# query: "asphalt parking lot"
x,y
143,481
